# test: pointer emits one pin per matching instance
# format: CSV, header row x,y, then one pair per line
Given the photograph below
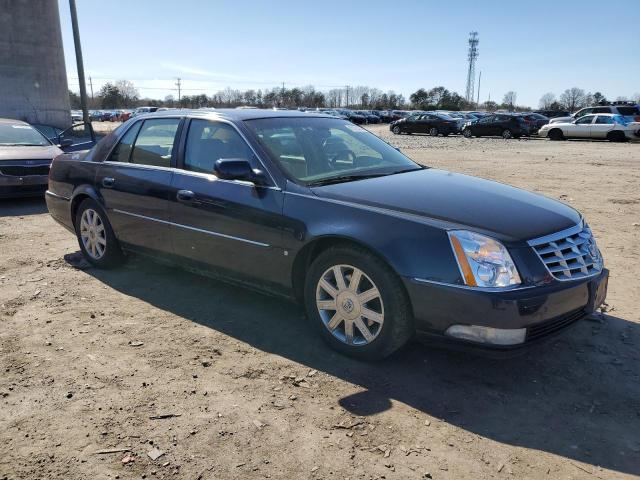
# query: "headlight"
x,y
483,261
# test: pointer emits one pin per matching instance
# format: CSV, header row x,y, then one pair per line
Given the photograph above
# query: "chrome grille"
x,y
571,254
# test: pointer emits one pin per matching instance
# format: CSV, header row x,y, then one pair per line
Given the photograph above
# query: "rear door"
x,y
135,182
602,126
231,225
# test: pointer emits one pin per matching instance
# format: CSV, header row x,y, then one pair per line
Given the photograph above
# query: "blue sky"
x,y
531,48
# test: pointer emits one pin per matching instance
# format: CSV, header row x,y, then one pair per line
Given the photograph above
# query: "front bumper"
x,y
543,311
22,186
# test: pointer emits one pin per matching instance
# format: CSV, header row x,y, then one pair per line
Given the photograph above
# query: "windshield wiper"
x,y
344,178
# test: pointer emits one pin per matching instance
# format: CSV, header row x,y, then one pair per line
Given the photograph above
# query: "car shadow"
x,y
18,207
577,396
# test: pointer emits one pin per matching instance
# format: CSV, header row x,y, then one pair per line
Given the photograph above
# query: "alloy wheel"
x,y
507,134
93,234
433,131
466,133
396,130
350,305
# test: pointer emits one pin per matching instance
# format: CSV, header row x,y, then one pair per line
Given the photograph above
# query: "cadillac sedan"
x,y
377,248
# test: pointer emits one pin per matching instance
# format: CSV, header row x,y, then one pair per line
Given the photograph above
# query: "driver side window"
x,y
208,142
585,120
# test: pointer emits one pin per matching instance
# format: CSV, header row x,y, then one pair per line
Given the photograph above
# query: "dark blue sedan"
x,y
377,248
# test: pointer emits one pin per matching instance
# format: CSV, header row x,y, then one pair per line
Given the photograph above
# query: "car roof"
x,y
233,114
12,121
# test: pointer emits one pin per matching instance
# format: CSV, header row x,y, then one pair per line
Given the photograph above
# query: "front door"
x,y
581,128
233,226
135,180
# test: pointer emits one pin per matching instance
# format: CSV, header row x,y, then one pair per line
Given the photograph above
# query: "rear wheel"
x,y
434,132
506,134
357,303
556,134
396,130
97,241
616,136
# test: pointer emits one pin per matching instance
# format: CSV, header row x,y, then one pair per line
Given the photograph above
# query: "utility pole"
x,y
282,95
178,84
91,86
479,79
79,62
347,104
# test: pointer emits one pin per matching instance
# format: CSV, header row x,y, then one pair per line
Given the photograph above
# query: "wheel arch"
x,y
307,254
81,193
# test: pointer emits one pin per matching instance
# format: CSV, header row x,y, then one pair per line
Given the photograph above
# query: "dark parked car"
x,y
25,157
385,116
354,117
553,113
505,125
535,121
375,246
370,117
432,123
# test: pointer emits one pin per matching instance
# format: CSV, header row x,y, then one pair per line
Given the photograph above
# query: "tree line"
x,y
124,94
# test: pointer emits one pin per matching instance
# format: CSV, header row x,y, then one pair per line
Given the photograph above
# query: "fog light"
x,y
488,335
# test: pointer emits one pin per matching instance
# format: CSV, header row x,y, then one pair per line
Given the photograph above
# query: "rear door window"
x,y
122,152
603,119
155,141
601,110
628,111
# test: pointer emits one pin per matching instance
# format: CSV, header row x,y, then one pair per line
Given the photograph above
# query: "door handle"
x,y
108,182
185,195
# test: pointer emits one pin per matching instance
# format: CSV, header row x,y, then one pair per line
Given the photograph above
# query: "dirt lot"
x,y
89,358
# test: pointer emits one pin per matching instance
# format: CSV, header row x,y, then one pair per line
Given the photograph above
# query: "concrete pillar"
x,y
33,77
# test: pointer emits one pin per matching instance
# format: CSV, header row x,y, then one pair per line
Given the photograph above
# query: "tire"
x,y
390,324
616,136
466,133
434,132
507,134
555,134
396,130
104,251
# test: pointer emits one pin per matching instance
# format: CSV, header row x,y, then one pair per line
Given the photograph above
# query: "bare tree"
x,y
573,98
509,99
128,91
636,97
547,100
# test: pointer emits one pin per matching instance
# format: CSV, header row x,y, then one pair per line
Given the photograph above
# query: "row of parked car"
x,y
609,122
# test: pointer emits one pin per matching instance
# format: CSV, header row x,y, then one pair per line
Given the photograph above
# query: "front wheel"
x,y
357,303
556,134
466,133
434,132
507,134
97,241
396,130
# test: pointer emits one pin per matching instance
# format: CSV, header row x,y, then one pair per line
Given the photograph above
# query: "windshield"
x,y
22,135
313,150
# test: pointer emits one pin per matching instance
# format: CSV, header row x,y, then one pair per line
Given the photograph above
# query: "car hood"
x,y
454,200
29,153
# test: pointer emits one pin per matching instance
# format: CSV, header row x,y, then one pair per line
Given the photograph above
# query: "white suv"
x,y
628,111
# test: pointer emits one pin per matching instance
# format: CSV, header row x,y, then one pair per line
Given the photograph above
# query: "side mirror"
x,y
65,142
238,169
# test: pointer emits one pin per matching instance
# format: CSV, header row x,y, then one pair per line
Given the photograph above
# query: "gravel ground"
x,y
90,359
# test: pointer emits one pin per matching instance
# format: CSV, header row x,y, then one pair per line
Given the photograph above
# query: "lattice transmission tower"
x,y
473,56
